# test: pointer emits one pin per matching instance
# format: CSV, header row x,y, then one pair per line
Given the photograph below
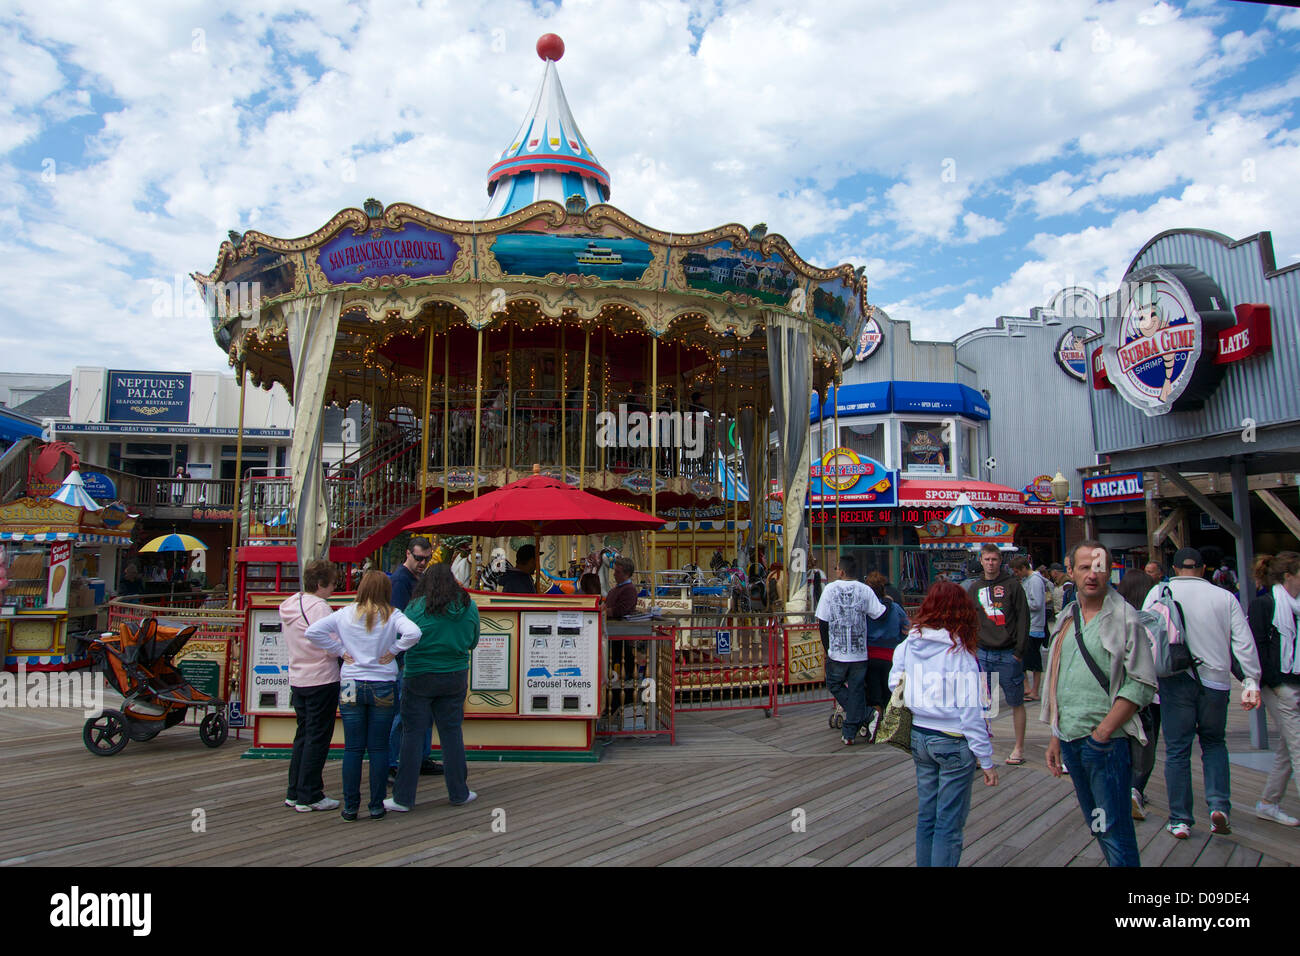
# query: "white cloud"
x,y
764,121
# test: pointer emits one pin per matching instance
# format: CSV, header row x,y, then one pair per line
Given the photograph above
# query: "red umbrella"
x,y
537,506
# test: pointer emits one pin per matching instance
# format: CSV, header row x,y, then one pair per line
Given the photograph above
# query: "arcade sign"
x,y
1103,489
1070,354
1173,336
845,477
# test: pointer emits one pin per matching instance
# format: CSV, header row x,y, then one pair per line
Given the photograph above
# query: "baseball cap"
x,y
1056,566
524,553
1188,558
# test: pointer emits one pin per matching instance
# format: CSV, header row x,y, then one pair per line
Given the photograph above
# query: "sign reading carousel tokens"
x,y
1166,339
412,250
148,397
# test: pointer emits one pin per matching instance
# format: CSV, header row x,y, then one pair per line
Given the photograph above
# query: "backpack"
x,y
1165,622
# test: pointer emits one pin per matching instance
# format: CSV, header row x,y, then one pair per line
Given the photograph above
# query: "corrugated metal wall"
x,y
1039,414
1265,388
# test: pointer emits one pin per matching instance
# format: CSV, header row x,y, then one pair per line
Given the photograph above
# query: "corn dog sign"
x,y
56,595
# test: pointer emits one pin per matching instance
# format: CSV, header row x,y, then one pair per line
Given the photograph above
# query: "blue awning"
x,y
865,398
14,427
881,398
976,406
935,398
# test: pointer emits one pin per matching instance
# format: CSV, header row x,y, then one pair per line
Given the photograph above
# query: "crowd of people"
x,y
1111,666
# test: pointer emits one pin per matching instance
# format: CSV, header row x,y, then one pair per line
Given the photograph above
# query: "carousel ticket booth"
x,y
535,683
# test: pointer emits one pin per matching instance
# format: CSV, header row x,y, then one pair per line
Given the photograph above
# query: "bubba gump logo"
x,y
1157,342
870,338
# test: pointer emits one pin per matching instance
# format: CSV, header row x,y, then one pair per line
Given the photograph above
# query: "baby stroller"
x,y
138,664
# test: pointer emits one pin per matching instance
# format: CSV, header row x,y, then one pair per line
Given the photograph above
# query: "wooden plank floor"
x,y
726,795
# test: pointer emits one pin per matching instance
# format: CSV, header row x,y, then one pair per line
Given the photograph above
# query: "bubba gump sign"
x,y
1174,334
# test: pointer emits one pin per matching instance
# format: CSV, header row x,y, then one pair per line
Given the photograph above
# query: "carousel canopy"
x,y
548,158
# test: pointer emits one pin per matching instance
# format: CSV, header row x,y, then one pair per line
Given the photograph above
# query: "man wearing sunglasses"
x,y
418,554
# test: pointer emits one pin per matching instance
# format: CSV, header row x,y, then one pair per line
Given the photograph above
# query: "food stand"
x,y
43,542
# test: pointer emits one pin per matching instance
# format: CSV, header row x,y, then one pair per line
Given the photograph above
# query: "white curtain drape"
x,y
312,326
790,373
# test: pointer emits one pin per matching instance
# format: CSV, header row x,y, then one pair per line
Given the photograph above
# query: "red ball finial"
x,y
550,46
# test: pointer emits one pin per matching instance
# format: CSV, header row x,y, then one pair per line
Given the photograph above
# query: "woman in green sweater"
x,y
435,679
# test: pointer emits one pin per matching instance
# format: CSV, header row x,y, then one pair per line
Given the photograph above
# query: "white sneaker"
x,y
470,799
391,804
291,804
1180,831
324,803
1271,811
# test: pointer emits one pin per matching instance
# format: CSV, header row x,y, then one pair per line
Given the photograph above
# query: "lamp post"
x,y
1061,493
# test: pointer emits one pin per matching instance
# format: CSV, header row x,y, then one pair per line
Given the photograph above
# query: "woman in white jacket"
x,y
943,689
367,635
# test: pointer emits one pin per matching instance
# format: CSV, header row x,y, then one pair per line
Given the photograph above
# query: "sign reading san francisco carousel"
x,y
1164,344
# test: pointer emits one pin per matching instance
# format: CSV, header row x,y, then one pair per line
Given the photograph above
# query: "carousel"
x,y
556,334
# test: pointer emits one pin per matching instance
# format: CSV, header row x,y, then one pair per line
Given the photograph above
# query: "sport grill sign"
x,y
1164,345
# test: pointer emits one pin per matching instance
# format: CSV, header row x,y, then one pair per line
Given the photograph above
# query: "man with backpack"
x,y
1194,702
1099,676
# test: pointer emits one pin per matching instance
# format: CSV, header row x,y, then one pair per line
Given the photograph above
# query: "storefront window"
x,y
925,448
865,438
969,451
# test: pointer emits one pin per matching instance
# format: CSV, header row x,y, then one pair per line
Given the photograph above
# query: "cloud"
x,y
896,140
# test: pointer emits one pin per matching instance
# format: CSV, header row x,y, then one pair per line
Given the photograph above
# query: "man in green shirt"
x,y
1101,673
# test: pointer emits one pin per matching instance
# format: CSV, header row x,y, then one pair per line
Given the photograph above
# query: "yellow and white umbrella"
x,y
174,542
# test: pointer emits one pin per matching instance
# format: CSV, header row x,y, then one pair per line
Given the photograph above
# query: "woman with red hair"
x,y
942,686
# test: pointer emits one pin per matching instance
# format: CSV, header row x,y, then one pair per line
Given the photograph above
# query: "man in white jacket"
x,y
1195,704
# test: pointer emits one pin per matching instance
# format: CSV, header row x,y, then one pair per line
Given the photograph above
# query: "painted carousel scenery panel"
x,y
271,271
412,250
534,254
722,268
836,303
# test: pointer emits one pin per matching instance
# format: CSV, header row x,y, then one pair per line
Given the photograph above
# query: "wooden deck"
x,y
725,795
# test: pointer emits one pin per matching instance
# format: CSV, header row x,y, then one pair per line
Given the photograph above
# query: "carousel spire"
x,y
548,158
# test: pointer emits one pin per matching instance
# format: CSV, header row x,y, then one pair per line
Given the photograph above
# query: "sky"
x,y
975,157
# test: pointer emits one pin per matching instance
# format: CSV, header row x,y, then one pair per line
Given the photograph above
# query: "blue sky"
x,y
973,157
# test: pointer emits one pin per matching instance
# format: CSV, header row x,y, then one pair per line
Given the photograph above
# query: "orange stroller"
x,y
138,664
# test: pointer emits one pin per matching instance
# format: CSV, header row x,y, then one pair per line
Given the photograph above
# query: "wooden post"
x,y
478,406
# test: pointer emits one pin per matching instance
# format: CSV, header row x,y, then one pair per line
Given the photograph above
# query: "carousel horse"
x,y
490,574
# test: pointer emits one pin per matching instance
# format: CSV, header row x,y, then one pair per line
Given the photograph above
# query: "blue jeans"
x,y
1011,673
945,770
1102,775
367,718
395,738
429,699
847,682
1188,710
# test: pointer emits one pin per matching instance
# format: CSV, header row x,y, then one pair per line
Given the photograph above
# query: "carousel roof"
x,y
548,158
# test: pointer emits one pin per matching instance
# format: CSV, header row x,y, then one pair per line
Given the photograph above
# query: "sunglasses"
x,y
421,558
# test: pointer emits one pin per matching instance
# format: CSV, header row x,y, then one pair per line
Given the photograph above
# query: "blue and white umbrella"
x,y
73,492
964,513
